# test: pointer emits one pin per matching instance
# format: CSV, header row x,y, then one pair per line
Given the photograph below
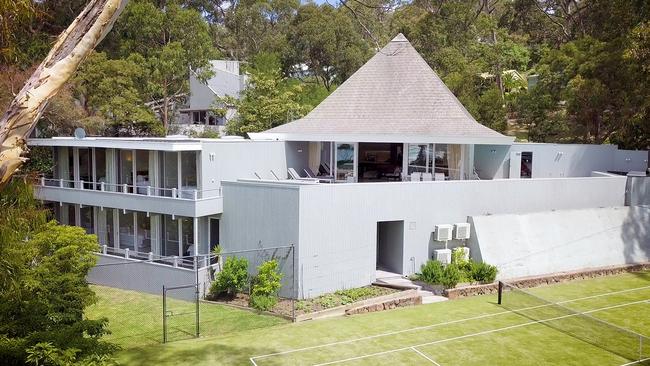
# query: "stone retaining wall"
x,y
526,282
386,305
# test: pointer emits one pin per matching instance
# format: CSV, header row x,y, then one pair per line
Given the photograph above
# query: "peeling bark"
x,y
70,49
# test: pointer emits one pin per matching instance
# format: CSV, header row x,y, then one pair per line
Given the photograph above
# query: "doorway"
x,y
390,246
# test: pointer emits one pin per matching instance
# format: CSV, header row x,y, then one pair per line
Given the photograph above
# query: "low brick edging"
x,y
534,281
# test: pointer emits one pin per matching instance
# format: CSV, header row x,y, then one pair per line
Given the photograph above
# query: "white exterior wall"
x,y
337,224
550,242
240,160
558,160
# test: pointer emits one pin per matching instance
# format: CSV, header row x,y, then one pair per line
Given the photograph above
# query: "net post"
x,y
500,295
164,293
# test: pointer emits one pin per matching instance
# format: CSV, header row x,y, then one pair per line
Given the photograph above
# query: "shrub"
x,y
451,275
483,272
232,278
266,285
431,272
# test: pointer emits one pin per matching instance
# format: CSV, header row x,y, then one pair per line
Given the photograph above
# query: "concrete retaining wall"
x,y
555,241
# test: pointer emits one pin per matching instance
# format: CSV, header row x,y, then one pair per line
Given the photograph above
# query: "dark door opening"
x,y
390,246
380,162
526,164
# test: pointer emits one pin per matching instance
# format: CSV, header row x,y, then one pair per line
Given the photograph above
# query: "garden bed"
x,y
284,307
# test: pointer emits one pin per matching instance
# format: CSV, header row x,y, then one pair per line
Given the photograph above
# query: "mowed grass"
x,y
472,331
135,318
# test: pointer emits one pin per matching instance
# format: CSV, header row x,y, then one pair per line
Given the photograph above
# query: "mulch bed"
x,y
284,307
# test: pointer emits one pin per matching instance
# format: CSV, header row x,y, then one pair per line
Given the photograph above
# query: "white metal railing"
x,y
143,190
173,260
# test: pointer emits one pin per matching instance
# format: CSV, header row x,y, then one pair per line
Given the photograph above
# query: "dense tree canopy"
x,y
588,61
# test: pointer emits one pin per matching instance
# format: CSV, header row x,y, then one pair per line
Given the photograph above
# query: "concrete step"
x,y
429,298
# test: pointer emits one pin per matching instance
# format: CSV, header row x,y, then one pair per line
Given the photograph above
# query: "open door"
x,y
515,165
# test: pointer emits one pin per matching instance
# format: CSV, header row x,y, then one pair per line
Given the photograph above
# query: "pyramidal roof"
x,y
394,97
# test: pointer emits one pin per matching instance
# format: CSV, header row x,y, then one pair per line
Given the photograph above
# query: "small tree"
x,y
266,286
232,278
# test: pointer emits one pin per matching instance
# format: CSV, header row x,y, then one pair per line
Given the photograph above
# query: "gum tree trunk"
x,y
70,49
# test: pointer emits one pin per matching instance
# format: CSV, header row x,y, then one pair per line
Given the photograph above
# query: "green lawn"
x,y
135,319
472,331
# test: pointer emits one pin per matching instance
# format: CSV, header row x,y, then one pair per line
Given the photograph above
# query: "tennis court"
x,y
597,322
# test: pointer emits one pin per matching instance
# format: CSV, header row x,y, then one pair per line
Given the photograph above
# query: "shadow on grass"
x,y
193,352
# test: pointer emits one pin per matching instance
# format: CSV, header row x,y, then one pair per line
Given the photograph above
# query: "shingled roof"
x,y
394,97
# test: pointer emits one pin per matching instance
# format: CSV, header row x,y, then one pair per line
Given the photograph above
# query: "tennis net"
x,y
581,325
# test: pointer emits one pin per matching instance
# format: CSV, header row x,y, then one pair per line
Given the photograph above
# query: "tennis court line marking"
x,y
484,316
425,356
635,362
477,334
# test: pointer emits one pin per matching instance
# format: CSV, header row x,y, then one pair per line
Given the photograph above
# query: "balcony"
x,y
171,201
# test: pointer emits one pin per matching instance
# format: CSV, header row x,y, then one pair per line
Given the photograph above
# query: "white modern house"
x,y
368,180
207,96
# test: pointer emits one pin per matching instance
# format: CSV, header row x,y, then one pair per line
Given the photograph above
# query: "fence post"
x,y
196,292
175,261
500,292
150,256
173,192
104,249
126,253
43,181
294,290
164,314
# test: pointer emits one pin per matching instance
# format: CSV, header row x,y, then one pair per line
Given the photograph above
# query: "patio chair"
x,y
427,177
323,179
439,176
416,177
294,175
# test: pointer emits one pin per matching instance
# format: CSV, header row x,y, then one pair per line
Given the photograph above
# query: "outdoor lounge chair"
x,y
427,177
439,176
416,176
323,178
294,175
274,175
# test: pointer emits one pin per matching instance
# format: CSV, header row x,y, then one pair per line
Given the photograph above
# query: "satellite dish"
x,y
79,133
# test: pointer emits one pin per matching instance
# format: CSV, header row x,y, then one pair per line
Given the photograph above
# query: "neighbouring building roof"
x,y
394,97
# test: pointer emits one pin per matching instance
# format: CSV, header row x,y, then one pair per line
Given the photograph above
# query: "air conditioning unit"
x,y
461,231
442,255
443,232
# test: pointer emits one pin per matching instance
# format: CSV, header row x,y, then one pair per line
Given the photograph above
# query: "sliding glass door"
x,y
346,162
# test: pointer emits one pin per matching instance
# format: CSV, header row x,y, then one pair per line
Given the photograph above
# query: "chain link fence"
x,y
153,301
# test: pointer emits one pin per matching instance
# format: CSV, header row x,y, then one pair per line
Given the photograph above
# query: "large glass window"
x,y
144,232
345,162
142,171
125,170
188,170
169,172
86,167
105,227
188,236
127,230
86,219
72,215
170,236
100,166
449,160
418,158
